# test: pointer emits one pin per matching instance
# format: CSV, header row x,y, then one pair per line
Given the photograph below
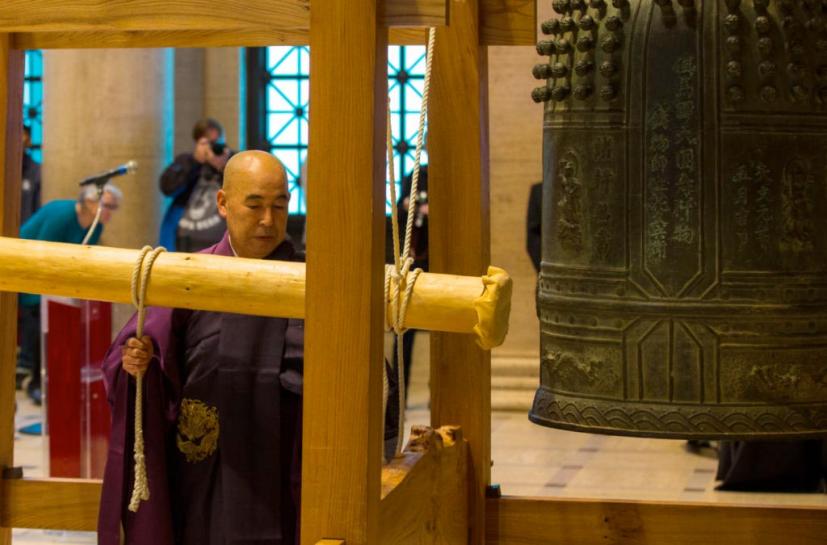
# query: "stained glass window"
x,y
286,111
33,100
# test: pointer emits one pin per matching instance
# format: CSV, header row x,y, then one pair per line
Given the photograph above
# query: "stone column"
x,y
189,95
224,92
102,108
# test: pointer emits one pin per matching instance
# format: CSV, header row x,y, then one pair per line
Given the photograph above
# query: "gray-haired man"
x,y
58,221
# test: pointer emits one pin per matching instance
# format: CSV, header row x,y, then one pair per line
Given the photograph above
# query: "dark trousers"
x,y
29,328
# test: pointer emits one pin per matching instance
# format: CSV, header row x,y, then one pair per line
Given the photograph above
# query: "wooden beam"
x,y
544,521
274,16
11,151
425,491
502,22
342,432
459,234
50,504
218,283
186,38
508,22
69,504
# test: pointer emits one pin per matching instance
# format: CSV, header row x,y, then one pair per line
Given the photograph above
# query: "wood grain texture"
x,y
208,282
50,504
290,16
342,440
425,491
536,521
256,37
508,22
502,22
11,150
459,235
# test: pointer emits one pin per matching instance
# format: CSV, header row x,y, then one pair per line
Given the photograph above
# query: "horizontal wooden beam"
x,y
428,474
69,504
440,302
502,22
425,491
236,15
544,521
185,38
50,504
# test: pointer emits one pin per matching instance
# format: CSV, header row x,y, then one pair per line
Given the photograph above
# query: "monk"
x,y
222,399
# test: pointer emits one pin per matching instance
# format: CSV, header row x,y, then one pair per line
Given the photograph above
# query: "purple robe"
x,y
222,427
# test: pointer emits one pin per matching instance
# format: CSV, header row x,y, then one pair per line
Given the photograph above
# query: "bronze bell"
x,y
683,290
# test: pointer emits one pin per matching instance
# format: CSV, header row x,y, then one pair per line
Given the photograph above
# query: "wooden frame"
x,y
343,500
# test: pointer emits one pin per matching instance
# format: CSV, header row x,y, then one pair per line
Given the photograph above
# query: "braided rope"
x,y
139,284
399,279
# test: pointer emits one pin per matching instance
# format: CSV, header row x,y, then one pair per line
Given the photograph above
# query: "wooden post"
x,y
459,235
11,149
345,240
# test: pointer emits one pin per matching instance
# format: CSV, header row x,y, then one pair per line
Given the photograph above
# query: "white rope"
x,y
140,282
399,279
96,220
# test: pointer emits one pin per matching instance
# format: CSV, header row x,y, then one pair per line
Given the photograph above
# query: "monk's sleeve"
x,y
152,524
292,368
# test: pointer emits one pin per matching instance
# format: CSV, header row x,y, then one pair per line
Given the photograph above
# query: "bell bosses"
x,y
222,399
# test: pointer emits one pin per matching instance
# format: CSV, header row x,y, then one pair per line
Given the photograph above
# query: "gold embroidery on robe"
x,y
197,436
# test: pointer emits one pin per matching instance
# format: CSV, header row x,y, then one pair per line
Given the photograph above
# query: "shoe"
x,y
20,377
36,395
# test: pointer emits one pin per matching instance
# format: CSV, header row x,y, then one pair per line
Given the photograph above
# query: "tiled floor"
x,y
528,461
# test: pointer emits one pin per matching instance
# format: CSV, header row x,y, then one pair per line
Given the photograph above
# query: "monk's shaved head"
x,y
251,164
254,202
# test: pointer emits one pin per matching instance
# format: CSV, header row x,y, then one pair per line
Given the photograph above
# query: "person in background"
x,y
534,225
192,222
57,221
30,184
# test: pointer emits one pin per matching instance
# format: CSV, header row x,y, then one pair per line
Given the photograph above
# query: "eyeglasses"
x,y
109,206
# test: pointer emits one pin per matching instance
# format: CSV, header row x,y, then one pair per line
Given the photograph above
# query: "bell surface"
x,y
683,290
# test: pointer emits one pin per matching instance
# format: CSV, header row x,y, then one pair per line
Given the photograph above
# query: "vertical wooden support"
x,y
344,302
459,235
11,106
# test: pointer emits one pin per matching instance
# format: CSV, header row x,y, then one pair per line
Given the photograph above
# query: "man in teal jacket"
x,y
58,221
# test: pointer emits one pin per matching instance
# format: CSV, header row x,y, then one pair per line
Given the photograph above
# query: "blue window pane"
x,y
288,93
33,100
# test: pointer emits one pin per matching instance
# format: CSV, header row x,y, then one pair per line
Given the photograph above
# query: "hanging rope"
x,y
140,282
97,218
399,279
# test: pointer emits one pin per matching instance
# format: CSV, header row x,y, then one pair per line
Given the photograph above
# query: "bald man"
x,y
222,403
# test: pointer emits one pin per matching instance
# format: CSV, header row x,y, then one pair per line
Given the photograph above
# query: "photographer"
x,y
192,222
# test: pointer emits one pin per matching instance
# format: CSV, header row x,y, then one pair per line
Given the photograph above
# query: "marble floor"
x,y
528,461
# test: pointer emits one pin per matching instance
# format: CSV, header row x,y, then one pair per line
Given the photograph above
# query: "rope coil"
x,y
139,284
399,278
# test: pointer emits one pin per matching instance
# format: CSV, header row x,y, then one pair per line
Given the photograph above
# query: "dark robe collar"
x,y
283,252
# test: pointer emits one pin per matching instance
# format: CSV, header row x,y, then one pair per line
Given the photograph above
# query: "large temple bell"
x,y
683,290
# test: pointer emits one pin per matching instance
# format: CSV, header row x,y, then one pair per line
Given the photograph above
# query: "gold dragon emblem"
x,y
197,436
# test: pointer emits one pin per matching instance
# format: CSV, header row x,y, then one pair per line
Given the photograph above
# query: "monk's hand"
x,y
136,355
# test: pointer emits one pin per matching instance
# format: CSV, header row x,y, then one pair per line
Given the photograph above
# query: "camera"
x,y
218,147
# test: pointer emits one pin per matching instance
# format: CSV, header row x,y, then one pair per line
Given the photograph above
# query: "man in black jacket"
x,y
192,221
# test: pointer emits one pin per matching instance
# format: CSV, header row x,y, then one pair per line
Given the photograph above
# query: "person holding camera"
x,y
192,222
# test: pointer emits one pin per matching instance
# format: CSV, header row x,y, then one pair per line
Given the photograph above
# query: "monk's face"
x,y
254,202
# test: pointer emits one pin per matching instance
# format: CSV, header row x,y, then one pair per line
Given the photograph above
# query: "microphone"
x,y
101,179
